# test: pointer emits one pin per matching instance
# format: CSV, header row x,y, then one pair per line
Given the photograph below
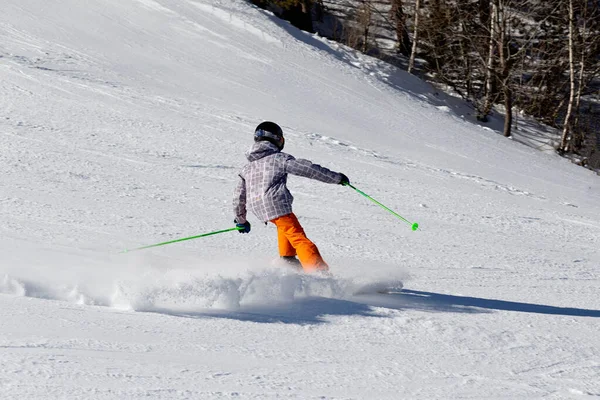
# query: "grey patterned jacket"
x,y
262,186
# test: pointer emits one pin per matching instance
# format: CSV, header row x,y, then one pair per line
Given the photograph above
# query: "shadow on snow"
x,y
306,311
448,303
316,310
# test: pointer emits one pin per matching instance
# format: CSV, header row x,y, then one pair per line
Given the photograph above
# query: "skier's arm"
x,y
239,201
307,169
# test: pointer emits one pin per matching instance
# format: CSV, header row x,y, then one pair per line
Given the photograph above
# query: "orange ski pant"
x,y
293,241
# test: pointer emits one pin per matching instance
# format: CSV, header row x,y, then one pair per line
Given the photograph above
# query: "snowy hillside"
x,y
124,123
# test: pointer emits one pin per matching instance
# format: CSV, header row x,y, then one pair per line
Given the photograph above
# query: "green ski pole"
x,y
183,239
414,226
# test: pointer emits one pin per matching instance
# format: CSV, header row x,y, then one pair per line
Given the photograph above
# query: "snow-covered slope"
x,y
123,123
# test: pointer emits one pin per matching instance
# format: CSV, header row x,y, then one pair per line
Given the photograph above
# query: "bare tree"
x,y
358,35
567,123
490,92
584,45
399,19
413,52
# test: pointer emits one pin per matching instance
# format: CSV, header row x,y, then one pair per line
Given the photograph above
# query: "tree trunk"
x,y
399,18
364,20
489,84
579,139
467,70
566,134
413,52
581,136
505,68
508,104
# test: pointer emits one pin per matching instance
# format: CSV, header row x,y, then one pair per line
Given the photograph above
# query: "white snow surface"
x,y
124,123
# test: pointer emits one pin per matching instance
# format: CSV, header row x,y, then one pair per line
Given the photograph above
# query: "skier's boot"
x,y
292,261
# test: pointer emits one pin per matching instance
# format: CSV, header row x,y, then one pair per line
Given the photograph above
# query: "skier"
x,y
262,188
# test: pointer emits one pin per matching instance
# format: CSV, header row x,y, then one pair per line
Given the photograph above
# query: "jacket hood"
x,y
260,150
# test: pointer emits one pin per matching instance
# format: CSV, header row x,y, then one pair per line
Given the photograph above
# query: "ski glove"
x,y
242,228
344,181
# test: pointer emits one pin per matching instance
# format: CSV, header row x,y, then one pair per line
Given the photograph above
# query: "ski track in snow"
x,y
125,123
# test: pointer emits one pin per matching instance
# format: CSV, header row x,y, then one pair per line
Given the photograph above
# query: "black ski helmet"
x,y
271,132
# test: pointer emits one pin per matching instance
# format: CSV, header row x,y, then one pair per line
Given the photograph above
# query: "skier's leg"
x,y
285,247
307,251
